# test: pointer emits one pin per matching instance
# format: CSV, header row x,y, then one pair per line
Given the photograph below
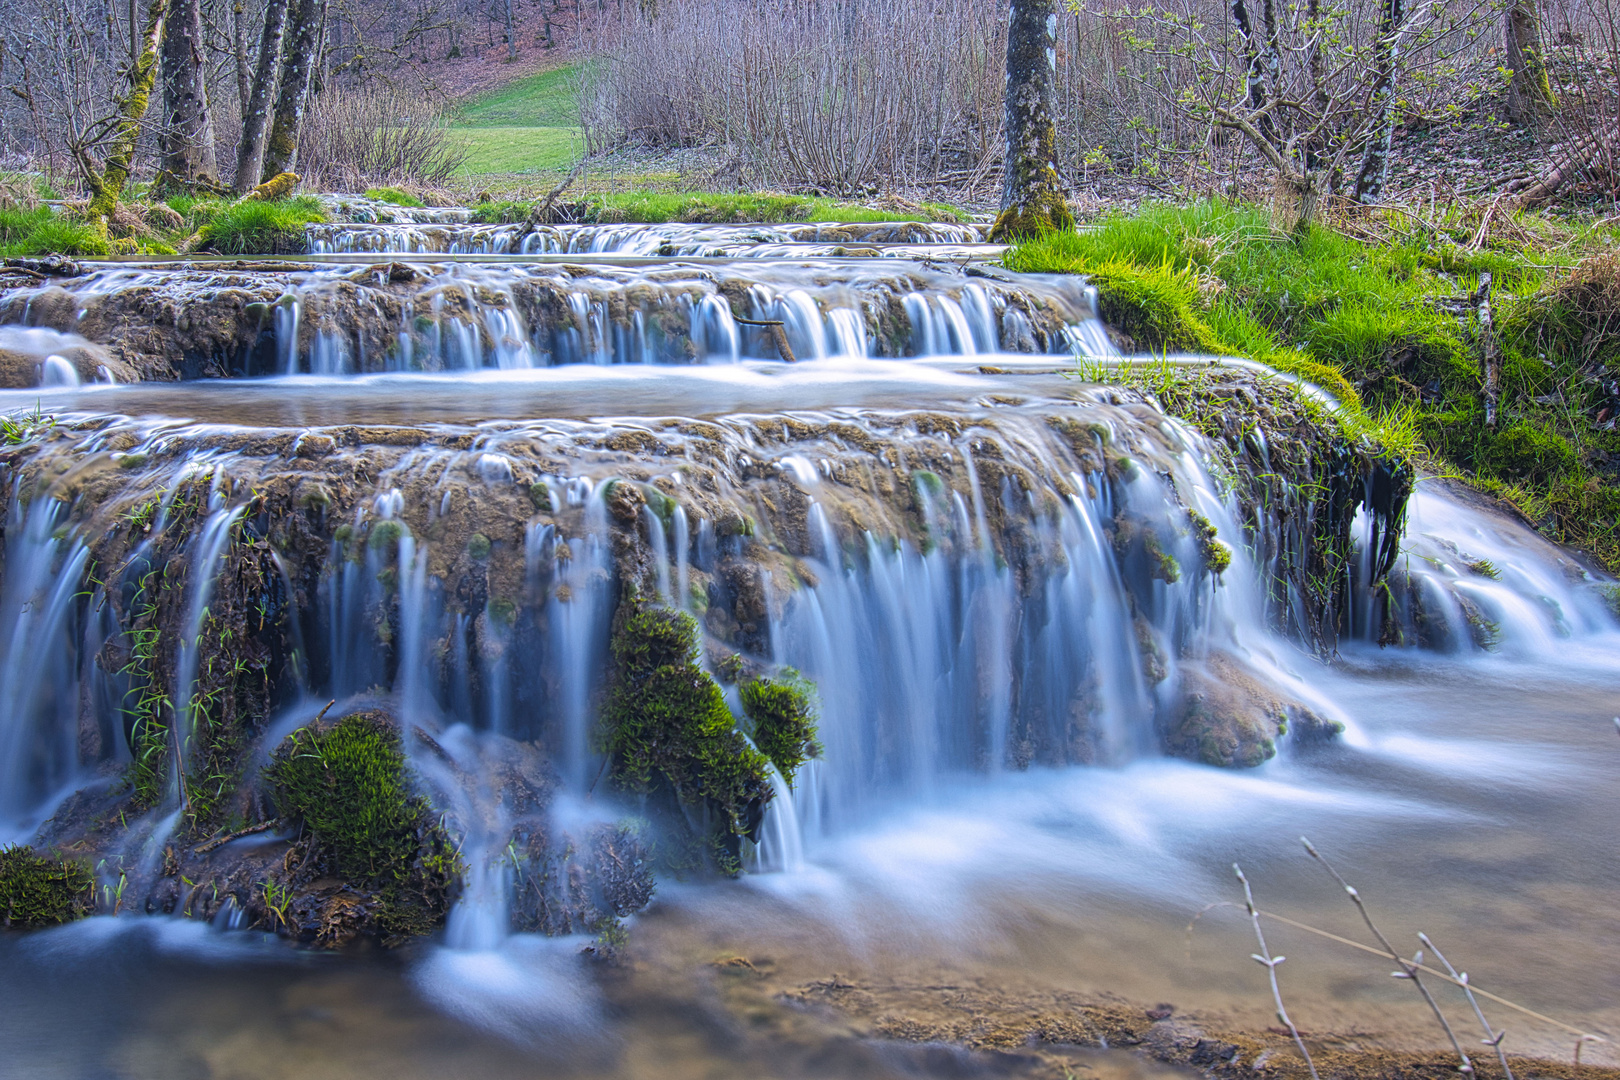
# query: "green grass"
x,y
657,208
260,228
544,100
43,232
1361,320
518,150
530,125
393,195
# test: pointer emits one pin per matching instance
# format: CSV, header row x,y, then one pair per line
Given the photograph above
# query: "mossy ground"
x,y
1380,319
259,228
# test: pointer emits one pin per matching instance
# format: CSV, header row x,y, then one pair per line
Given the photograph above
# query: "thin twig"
x,y
1493,1039
1486,994
1409,968
221,841
1267,961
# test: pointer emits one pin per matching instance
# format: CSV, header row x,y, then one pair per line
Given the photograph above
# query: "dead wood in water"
x,y
778,335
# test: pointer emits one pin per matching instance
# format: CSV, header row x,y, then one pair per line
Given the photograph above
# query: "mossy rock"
x,y
668,731
348,783
38,891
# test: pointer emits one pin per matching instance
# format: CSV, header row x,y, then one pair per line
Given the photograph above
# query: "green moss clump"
x,y
385,535
347,782
1527,451
667,730
397,196
478,547
37,891
261,228
783,711
1217,556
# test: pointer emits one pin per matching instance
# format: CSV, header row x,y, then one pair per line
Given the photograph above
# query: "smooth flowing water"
x,y
992,817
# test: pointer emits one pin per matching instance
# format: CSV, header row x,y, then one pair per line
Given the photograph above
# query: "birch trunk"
x,y
1374,171
256,106
1032,200
298,67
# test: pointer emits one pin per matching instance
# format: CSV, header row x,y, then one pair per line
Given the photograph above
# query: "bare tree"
x,y
107,185
1032,199
1374,171
256,107
292,98
1530,93
188,130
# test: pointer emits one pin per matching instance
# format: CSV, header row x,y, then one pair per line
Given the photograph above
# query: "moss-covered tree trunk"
x,y
1374,171
256,106
302,37
1032,199
1530,93
107,186
188,126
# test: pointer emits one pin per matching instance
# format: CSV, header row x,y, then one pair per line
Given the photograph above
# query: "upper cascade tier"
x,y
902,239
331,317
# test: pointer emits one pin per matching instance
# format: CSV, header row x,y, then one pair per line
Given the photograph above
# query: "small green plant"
x,y
25,427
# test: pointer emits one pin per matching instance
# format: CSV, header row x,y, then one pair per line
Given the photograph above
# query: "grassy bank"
x,y
1383,320
528,126
656,208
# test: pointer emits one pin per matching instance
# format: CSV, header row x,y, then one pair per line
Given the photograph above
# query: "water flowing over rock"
x,y
416,583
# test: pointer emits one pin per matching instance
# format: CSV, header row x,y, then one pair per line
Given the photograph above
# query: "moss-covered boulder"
x,y
672,738
1228,716
37,890
378,861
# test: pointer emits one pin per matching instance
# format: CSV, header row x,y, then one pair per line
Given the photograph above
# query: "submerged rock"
x,y
1228,715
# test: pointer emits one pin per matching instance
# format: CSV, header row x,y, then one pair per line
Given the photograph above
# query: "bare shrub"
x,y
841,98
379,133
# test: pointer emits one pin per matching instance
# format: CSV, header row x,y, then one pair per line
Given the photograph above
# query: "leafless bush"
x,y
838,97
376,134
1584,58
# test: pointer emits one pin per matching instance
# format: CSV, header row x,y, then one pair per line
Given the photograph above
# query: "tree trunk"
x,y
303,40
256,110
511,34
107,188
244,65
1374,171
188,131
1255,72
1032,199
1530,93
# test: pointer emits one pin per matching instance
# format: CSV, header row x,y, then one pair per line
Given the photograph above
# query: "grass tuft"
x,y
259,228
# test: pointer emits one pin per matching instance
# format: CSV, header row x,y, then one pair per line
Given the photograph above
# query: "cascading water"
x,y
1033,610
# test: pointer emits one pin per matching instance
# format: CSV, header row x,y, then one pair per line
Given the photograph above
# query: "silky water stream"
x,y
992,572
